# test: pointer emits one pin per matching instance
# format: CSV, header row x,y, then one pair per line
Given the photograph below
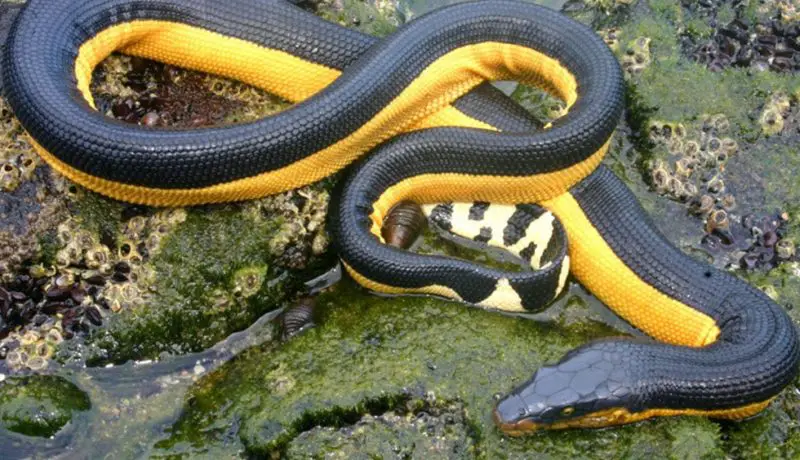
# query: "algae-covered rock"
x,y
348,383
39,405
213,275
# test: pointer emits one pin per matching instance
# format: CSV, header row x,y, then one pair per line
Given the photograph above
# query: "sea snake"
x,y
722,347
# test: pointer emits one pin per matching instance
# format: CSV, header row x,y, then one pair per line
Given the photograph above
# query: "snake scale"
x,y
419,103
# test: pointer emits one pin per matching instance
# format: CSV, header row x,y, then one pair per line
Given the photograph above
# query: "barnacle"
x,y
728,202
702,205
714,145
691,149
85,240
729,145
65,232
717,220
247,281
10,177
676,187
675,146
127,250
135,227
660,176
684,167
679,130
719,122
153,243
27,163
785,249
97,256
690,190
654,130
771,121
715,185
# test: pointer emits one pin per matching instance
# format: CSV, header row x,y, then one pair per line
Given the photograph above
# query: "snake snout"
x,y
572,393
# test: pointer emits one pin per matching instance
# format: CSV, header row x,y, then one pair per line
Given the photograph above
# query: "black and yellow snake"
x,y
723,348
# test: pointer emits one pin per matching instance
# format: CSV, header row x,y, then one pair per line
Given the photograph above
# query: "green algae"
x,y
39,405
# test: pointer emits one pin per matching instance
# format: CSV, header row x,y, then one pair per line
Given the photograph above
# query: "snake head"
x,y
590,387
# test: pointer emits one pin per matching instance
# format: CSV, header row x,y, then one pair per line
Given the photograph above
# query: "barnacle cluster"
x,y
302,232
773,116
611,37
766,41
637,56
31,349
15,249
86,280
788,11
17,159
31,211
694,172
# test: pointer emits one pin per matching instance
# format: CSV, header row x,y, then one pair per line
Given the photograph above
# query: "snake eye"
x,y
567,411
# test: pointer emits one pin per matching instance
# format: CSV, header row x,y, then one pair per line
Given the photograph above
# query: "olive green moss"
x,y
97,213
39,405
677,88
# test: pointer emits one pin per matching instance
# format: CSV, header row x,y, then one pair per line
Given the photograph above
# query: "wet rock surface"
x,y
708,145
426,432
39,405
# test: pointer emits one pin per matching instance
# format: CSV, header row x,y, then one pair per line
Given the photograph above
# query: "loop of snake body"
x,y
722,348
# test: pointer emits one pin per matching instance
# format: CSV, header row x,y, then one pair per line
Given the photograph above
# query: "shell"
x,y
785,249
403,225
298,317
728,202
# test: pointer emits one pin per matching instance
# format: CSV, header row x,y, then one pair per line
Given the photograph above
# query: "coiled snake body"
x,y
723,348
